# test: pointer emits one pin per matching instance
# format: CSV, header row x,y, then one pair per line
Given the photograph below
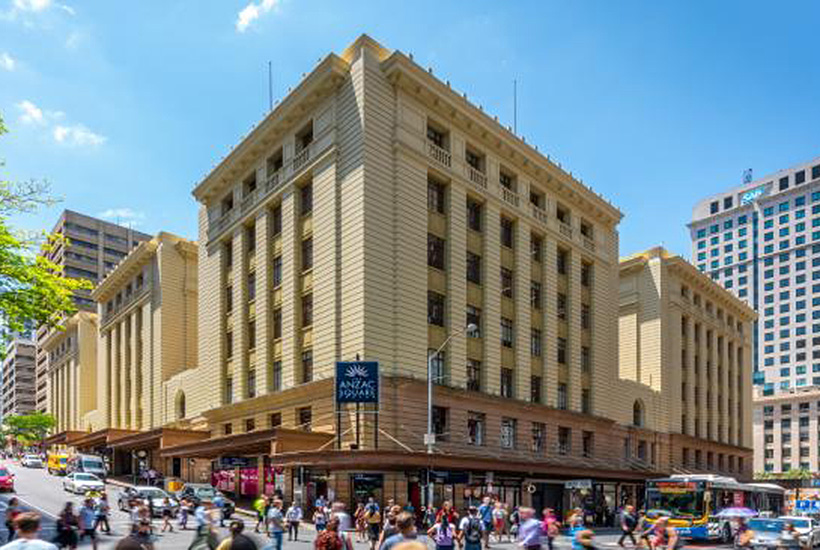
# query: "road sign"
x,y
357,382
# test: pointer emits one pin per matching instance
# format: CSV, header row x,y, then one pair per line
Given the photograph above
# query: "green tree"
x,y
29,429
32,288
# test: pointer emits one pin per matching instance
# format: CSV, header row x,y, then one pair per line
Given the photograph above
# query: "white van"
x,y
87,464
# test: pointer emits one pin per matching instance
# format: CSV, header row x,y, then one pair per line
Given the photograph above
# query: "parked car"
x,y
808,529
82,483
153,497
6,479
205,493
31,461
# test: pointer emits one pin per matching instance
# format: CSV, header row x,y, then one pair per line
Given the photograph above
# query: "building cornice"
x,y
320,84
404,73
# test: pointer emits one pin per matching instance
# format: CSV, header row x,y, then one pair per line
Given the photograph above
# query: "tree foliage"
x,y
33,289
29,428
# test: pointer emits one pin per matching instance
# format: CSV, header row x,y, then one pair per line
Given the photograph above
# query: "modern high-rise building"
x,y
761,241
17,379
94,248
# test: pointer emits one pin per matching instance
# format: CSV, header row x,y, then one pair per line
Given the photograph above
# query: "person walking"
x,y
319,519
471,530
443,533
12,509
260,505
103,509
664,535
372,520
184,512
88,520
329,538
167,514
27,526
294,516
237,540
67,527
360,521
204,537
485,512
529,529
628,523
499,521
276,524
551,527
407,531
219,502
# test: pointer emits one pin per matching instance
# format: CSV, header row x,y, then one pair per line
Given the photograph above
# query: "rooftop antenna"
x,y
515,106
747,175
270,87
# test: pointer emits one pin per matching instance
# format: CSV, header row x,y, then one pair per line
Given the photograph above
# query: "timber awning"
x,y
159,438
262,442
63,438
100,438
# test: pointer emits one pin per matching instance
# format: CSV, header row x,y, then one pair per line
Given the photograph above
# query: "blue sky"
x,y
124,106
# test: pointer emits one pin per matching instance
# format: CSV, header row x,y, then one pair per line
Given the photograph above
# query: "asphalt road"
x,y
40,492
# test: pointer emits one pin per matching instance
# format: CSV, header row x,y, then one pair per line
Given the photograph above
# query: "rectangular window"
x,y
476,426
508,433
564,440
561,351
586,274
307,254
228,390
586,401
535,342
474,318
276,376
251,383
435,196
562,396
252,334
227,253
586,317
277,272
275,420
587,443
276,225
536,246
250,239
506,282
586,359
307,366
435,251
474,215
536,382
306,199
539,437
229,345
228,299
435,308
438,366
506,332
473,375
251,286
562,261
304,417
561,306
440,417
474,268
277,323
507,232
535,294
307,310
507,383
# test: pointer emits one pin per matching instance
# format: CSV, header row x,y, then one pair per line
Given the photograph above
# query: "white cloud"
x,y
132,217
252,12
78,136
32,5
7,62
30,113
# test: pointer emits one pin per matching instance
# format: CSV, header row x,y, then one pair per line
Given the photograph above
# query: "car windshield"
x,y
799,523
152,493
205,492
86,477
93,463
767,525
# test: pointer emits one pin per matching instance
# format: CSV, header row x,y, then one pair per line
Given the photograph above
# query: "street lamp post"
x,y
430,437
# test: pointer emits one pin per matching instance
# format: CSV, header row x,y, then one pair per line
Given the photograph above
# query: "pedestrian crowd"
x,y
389,527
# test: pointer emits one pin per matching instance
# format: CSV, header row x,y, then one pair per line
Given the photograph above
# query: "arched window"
x,y
180,405
637,413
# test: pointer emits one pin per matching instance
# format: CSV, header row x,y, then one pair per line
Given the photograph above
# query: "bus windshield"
x,y
678,499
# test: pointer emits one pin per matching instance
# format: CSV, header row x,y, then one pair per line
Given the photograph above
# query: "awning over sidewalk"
x,y
100,438
262,442
159,438
63,438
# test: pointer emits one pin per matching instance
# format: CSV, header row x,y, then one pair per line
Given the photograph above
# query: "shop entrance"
x,y
549,495
364,486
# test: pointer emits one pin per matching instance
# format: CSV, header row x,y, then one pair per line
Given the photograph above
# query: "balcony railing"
x,y
301,159
589,244
539,214
274,180
248,200
565,229
442,156
477,177
509,196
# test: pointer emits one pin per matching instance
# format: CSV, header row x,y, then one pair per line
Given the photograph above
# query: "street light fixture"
x,y
430,437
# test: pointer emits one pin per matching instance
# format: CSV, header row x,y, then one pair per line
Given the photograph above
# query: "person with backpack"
x,y
443,533
471,530
373,524
485,512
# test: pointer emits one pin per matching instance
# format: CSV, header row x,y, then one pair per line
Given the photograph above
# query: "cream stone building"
x,y
787,431
72,374
147,308
686,344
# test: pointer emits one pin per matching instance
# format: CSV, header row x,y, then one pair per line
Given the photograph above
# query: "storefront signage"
x,y
235,462
449,478
752,194
357,382
249,481
578,484
805,505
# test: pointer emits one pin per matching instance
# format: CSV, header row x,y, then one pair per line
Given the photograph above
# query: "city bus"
x,y
691,502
